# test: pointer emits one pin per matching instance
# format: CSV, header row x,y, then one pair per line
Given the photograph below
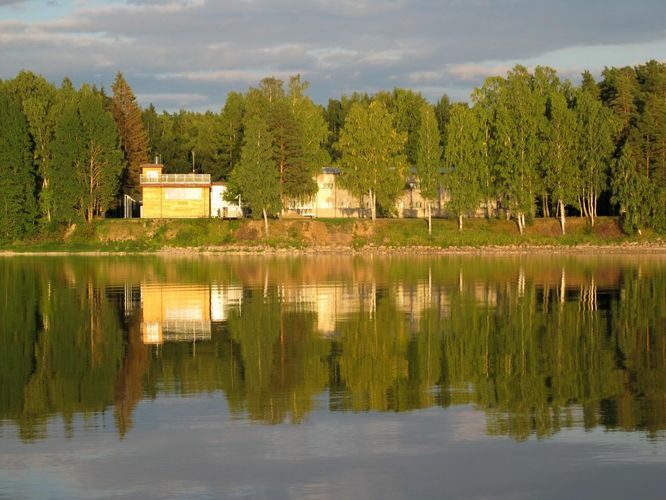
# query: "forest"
x,y
528,144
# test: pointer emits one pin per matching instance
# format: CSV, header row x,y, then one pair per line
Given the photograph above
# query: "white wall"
x,y
219,207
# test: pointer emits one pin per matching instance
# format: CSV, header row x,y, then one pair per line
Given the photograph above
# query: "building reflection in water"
x,y
524,341
185,313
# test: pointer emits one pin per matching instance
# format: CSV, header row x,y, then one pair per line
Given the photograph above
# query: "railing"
x,y
175,179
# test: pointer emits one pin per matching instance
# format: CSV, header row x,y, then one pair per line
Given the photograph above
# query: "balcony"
x,y
148,179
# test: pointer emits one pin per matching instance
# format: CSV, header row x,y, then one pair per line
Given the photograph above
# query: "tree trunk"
x,y
519,219
592,208
373,205
546,208
265,222
460,222
429,205
560,205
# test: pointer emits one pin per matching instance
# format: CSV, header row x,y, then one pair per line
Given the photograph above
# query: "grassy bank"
x,y
154,235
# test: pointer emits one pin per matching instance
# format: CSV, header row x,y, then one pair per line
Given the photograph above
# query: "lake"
x,y
333,377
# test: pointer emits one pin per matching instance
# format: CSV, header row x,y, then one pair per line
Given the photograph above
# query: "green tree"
x,y
299,133
589,85
314,130
485,104
562,173
256,177
231,134
295,179
632,191
202,140
103,161
443,112
517,126
38,98
405,106
597,130
463,158
619,90
67,147
428,159
545,83
372,160
133,136
17,176
153,126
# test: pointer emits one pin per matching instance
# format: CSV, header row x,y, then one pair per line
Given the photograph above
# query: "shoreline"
x,y
630,248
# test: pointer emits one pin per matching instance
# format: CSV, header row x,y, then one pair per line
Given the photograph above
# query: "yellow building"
x,y
174,195
174,313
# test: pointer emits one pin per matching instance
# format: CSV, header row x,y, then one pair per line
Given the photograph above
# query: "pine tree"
x,y
133,136
17,177
256,178
295,179
67,146
632,191
443,113
589,85
299,133
428,159
231,134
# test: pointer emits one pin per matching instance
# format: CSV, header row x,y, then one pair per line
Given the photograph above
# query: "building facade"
x,y
195,196
183,196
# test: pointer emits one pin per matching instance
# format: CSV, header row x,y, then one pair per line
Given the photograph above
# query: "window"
x,y
182,193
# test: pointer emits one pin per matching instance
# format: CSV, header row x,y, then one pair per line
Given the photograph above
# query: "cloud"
x,y
209,48
244,76
474,72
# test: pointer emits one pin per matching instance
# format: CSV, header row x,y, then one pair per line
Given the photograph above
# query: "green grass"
x,y
151,235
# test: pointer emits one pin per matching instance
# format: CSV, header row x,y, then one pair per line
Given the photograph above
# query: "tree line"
x,y
528,144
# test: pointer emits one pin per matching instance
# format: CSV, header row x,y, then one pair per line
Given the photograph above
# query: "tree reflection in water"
x,y
539,344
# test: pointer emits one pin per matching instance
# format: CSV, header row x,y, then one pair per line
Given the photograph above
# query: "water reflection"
x,y
539,344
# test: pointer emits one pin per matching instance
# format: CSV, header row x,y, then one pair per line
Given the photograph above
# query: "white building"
x,y
219,207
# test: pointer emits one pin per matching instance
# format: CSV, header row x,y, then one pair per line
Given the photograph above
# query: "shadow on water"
x,y
539,344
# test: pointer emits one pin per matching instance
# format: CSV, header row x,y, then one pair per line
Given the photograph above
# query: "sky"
x,y
190,53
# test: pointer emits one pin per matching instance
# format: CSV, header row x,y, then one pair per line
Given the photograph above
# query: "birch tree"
x,y
561,168
596,131
256,178
372,161
463,158
428,159
102,162
517,118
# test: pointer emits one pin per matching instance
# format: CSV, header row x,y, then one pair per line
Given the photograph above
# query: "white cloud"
x,y
209,48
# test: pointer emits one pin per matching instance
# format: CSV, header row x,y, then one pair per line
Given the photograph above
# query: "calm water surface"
x,y
333,377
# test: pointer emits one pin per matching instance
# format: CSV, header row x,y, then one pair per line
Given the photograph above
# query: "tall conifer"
x,y
17,179
133,136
